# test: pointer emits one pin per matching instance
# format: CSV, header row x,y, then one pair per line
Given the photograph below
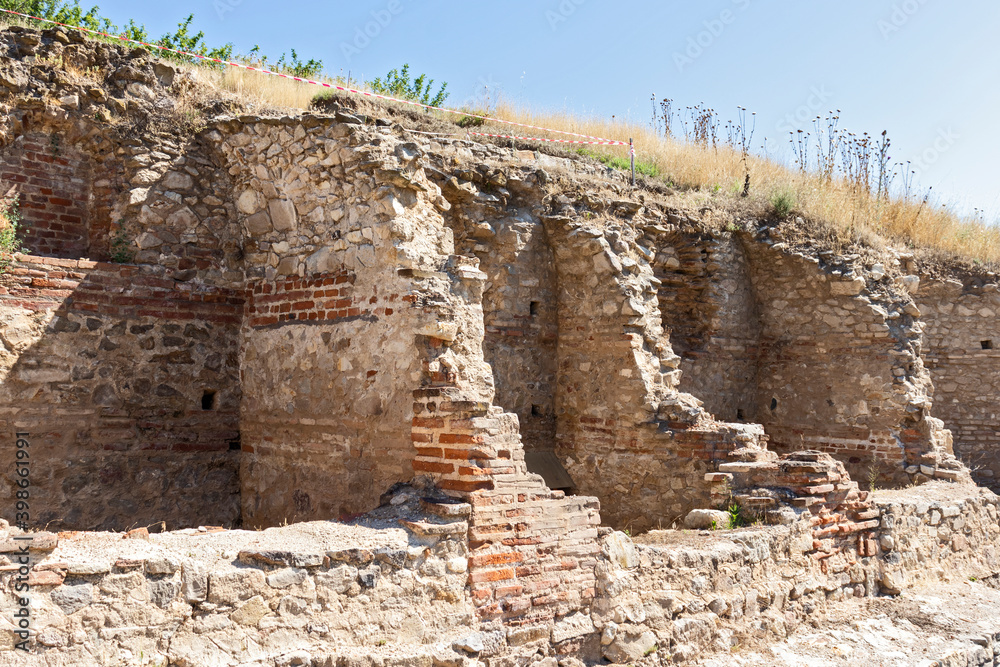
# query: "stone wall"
x,y
820,348
625,432
520,307
288,596
709,310
336,306
394,586
962,352
686,594
841,368
328,351
128,384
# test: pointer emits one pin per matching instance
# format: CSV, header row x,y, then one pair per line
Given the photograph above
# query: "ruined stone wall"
x,y
126,375
687,596
64,195
128,384
520,308
319,591
625,432
962,352
710,313
394,586
840,369
328,350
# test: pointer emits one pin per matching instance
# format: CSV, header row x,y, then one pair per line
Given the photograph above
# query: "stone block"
x,y
283,215
259,224
706,519
73,598
251,611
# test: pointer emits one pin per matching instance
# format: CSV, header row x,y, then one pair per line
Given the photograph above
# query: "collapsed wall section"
x,y
962,351
519,310
625,432
840,368
821,349
709,311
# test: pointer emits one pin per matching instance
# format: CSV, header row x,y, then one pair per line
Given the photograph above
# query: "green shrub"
x,y
622,163
397,83
120,249
782,203
472,121
182,39
10,227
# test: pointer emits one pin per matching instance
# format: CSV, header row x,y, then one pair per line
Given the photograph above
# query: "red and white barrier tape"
x,y
561,141
121,38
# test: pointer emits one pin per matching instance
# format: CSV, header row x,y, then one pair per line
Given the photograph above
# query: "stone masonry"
x,y
245,321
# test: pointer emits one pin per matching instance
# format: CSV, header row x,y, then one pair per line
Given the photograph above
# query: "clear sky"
x,y
925,70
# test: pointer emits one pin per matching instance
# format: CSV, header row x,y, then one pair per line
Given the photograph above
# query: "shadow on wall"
x,y
800,345
128,386
67,185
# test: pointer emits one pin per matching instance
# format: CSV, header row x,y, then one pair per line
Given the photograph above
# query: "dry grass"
x,y
912,223
838,205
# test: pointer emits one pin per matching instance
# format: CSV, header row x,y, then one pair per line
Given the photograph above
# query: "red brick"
x,y
458,439
502,574
463,486
432,466
485,560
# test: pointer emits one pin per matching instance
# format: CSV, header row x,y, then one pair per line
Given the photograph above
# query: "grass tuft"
x,y
782,203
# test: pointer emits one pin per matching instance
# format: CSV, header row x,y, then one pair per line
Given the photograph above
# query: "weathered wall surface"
x,y
350,307
394,586
329,355
107,367
709,310
962,351
125,375
520,308
66,185
821,349
287,596
841,368
625,432
686,596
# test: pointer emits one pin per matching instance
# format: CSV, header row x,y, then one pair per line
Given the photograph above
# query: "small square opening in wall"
x,y
208,400
536,411
987,344
533,308
739,415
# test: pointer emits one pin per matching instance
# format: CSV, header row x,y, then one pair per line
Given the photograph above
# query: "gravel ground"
x,y
925,625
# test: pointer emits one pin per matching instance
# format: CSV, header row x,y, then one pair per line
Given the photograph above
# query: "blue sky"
x,y
925,70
